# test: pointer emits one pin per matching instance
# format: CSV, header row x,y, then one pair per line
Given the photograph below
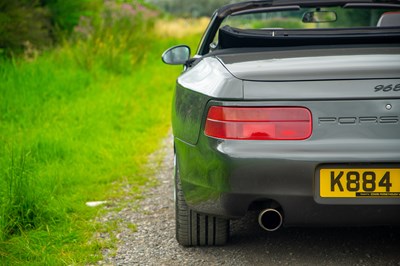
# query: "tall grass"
x,y
21,207
75,123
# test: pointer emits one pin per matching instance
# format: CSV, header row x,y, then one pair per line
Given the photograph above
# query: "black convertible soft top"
x,y
230,37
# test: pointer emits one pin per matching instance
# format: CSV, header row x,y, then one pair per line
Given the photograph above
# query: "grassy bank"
x,y
76,123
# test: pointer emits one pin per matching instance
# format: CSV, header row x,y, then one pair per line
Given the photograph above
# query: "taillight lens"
x,y
259,123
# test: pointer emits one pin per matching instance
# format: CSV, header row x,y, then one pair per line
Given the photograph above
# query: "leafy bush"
x,y
65,15
26,25
119,42
23,24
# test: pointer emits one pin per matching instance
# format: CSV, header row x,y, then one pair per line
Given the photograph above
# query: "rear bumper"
x,y
224,178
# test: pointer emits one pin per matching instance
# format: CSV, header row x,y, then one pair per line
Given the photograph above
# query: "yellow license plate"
x,y
360,183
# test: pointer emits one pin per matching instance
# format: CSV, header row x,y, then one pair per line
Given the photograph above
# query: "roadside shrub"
x,y
31,25
65,15
23,24
119,42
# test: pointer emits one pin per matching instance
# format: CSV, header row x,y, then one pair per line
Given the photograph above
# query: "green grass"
x,y
72,132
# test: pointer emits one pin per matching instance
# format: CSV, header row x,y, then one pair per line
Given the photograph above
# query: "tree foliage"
x,y
34,23
66,14
23,24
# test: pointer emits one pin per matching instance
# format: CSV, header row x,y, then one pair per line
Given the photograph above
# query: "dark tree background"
x,y
40,23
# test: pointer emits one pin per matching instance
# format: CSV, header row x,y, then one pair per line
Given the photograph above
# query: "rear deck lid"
x,y
306,64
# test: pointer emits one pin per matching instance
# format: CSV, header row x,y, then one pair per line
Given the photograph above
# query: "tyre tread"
x,y
197,229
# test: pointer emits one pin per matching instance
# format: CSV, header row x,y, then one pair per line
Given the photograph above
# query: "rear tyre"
x,y
193,228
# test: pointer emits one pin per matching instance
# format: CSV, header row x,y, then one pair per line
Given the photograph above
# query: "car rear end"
x,y
302,125
323,151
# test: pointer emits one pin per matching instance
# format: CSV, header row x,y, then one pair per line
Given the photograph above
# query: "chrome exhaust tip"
x,y
270,219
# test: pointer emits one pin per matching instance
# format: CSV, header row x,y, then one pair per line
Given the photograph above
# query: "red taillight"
x,y
259,123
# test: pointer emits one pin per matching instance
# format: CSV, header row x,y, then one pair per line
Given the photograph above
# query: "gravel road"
x,y
154,241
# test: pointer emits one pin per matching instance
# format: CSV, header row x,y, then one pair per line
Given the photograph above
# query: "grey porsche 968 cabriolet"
x,y
292,109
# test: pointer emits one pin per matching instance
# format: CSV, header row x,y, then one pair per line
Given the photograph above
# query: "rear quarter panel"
x,y
208,79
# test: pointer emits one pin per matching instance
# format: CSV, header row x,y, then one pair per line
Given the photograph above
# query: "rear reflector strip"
x,y
259,123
